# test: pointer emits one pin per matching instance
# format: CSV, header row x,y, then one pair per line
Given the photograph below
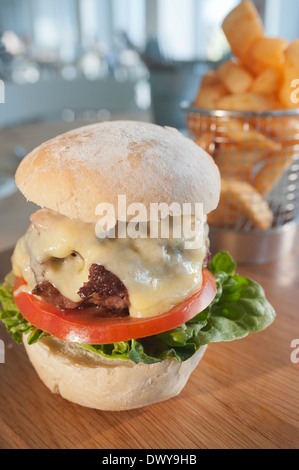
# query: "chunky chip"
x,y
272,169
242,28
246,102
268,82
268,52
234,77
208,96
239,199
289,93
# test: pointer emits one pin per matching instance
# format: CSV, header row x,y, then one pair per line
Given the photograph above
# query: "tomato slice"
x,y
87,326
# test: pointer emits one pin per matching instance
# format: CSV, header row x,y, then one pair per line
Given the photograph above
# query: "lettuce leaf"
x,y
239,308
12,318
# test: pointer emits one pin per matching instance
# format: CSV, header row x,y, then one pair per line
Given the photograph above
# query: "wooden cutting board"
x,y
244,394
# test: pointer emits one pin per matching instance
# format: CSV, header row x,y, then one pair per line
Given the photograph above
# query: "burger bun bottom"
x,y
90,380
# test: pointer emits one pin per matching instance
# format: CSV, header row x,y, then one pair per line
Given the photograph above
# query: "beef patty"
x,y
102,289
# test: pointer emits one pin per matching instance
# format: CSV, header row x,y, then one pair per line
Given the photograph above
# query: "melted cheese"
x,y
158,273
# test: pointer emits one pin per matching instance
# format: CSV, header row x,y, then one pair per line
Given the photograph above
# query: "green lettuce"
x,y
12,318
239,308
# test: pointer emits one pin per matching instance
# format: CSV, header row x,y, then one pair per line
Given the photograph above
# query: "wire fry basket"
x,y
258,157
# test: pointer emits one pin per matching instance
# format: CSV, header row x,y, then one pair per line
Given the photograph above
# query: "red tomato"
x,y
87,326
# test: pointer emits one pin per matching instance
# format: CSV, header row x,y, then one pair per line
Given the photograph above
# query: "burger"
x,y
114,319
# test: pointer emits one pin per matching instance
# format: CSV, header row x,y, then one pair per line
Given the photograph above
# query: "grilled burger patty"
x,y
103,289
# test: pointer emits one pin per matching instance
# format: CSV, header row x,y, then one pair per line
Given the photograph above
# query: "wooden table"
x,y
244,394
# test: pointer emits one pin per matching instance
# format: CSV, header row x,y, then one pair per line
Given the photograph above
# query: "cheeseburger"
x,y
113,318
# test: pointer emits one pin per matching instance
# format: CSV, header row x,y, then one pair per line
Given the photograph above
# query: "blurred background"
x,y
70,59
70,62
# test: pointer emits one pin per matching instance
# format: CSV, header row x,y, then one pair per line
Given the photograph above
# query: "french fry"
x,y
242,27
268,52
256,68
206,142
198,124
239,199
292,54
234,77
210,78
252,140
283,129
206,128
209,95
240,134
289,93
273,168
288,134
268,82
246,102
226,215
230,134
218,125
238,164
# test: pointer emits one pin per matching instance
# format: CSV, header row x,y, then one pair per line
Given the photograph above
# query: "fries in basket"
x,y
253,151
